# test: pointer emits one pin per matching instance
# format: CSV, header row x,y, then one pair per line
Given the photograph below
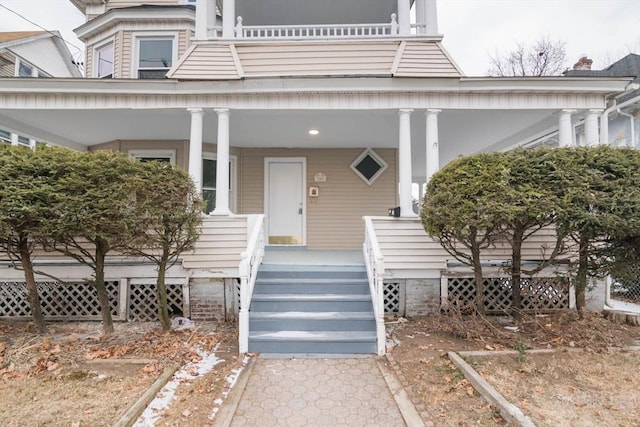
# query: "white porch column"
x,y
404,17
228,18
420,16
433,152
591,128
195,147
431,17
404,163
202,21
222,164
565,128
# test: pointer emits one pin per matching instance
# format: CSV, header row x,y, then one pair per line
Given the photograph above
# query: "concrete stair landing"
x,y
315,309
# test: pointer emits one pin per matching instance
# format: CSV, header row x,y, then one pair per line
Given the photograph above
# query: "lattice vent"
x,y
143,301
77,300
537,293
393,293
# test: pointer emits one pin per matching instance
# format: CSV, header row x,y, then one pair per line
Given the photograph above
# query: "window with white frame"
x,y
154,55
369,166
209,182
5,137
167,156
103,61
24,69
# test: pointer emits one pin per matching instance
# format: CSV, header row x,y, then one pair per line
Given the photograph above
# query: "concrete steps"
x,y
312,309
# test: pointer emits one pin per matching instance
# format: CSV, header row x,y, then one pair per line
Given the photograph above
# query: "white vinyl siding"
x,y
334,218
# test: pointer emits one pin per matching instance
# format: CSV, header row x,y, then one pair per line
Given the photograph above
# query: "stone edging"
x,y
417,403
134,411
228,409
509,411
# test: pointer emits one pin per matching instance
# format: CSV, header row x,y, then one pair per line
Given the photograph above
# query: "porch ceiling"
x,y
460,131
313,12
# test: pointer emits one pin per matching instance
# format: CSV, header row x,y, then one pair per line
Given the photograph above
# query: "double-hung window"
x,y
103,65
209,182
155,56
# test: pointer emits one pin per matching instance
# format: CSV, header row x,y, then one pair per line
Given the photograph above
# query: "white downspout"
x,y
604,118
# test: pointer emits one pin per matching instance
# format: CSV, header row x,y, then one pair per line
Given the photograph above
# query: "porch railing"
x,y
374,262
249,264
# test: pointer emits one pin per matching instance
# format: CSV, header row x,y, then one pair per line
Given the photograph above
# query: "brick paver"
x,y
317,392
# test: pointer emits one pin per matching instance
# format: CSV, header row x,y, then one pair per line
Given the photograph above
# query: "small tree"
x,y
24,200
545,57
602,213
460,210
93,214
169,212
532,200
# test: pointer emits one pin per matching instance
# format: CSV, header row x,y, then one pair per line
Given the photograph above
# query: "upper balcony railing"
x,y
317,32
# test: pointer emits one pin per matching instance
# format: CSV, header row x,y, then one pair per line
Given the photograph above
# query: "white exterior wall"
x,y
44,55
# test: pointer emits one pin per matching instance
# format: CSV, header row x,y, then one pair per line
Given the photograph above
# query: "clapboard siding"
x,y
222,241
7,65
126,54
406,246
334,219
425,59
317,58
207,61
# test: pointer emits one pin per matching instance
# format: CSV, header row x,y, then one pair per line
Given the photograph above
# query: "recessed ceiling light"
x,y
314,132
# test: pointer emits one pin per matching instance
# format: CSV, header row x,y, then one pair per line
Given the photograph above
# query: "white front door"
x,y
285,206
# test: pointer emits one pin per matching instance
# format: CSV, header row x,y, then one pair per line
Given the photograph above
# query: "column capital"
x,y
568,111
405,110
433,111
195,110
595,111
222,111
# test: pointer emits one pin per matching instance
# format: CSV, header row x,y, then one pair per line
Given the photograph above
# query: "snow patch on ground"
x,y
232,378
188,372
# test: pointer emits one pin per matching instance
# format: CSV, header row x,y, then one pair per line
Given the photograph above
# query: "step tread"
x,y
310,281
328,336
316,315
310,297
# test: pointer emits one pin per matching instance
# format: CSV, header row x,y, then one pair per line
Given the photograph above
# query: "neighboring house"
x,y
32,54
620,122
303,123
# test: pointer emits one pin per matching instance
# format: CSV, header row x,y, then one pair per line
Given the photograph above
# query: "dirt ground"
x,y
74,376
420,346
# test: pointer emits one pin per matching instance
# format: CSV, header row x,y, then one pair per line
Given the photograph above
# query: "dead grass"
x,y
423,342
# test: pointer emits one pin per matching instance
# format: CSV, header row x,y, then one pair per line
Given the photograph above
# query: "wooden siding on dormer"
x,y
243,59
210,61
424,59
297,58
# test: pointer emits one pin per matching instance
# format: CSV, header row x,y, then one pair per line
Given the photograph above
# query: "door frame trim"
x,y
303,161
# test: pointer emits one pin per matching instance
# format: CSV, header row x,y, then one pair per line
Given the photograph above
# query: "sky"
x,y
604,30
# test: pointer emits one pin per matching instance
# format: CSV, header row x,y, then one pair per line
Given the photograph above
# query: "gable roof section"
x,y
223,61
8,36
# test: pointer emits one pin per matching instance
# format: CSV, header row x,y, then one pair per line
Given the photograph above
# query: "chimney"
x,y
583,63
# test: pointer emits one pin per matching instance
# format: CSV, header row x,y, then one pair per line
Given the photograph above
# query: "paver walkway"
x,y
317,392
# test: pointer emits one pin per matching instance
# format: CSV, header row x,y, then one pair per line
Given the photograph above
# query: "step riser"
x,y
312,347
311,325
311,306
312,275
310,288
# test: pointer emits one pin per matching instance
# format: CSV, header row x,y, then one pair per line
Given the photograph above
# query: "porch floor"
x,y
307,257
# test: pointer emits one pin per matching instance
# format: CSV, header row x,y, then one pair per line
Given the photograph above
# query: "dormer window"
x,y
155,55
104,61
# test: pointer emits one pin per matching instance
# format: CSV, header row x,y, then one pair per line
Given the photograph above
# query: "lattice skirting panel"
x,y
133,299
540,294
142,302
394,298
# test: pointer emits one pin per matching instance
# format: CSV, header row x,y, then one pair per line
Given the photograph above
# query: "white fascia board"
x,y
116,16
452,85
